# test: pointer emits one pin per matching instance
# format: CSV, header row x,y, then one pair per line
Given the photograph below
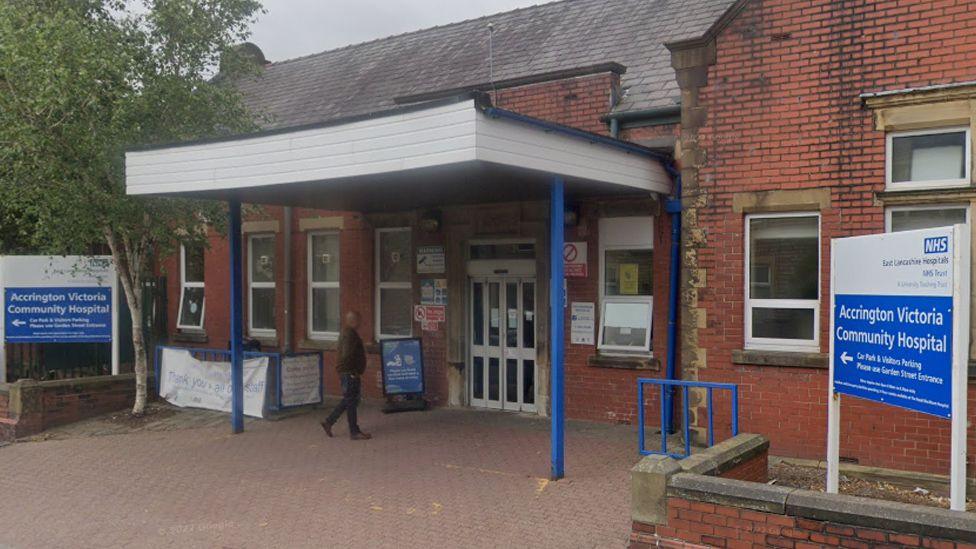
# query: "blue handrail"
x,y
667,385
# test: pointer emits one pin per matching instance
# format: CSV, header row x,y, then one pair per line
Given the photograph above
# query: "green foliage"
x,y
81,81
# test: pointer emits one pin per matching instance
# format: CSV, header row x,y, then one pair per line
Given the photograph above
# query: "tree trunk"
x,y
128,259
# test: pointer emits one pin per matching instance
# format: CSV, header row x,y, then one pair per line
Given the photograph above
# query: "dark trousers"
x,y
351,386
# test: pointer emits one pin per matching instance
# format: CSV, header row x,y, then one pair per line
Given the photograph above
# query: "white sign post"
x,y
899,332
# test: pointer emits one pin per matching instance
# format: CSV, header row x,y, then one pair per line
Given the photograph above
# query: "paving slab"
x,y
443,478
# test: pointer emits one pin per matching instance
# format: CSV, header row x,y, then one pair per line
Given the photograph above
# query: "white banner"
x,y
301,380
188,382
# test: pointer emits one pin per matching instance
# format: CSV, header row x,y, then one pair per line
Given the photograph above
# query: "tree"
x,y
83,80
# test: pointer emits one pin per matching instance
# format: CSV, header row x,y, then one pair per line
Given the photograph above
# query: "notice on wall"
x,y
76,315
190,383
893,319
430,317
403,366
433,291
582,323
574,260
301,380
628,278
430,259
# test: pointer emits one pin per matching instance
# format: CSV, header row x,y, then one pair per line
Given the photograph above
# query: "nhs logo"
x,y
936,245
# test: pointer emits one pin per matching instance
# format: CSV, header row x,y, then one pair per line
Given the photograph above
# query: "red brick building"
x,y
792,122
803,122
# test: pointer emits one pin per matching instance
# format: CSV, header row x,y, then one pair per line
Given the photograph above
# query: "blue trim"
x,y
667,385
556,320
236,316
495,112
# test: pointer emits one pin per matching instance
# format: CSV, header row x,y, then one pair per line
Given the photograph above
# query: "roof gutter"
x,y
661,115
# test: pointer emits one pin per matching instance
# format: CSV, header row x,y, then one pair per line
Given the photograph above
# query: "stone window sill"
x,y
189,336
784,359
320,344
647,362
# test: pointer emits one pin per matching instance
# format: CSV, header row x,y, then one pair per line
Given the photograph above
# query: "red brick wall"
x,y
754,469
69,402
723,526
783,113
577,102
609,394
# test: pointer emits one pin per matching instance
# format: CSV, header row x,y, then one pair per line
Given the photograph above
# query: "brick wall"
x,y
780,112
716,525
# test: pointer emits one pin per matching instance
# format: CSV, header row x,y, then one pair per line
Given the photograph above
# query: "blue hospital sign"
x,y
892,325
64,315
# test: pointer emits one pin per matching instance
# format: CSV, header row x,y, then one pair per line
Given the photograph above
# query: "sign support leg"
x,y
960,367
556,339
833,441
236,317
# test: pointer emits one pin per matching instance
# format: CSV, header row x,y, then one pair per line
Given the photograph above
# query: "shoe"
x,y
360,436
327,428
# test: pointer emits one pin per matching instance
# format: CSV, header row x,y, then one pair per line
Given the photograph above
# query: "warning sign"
x,y
574,259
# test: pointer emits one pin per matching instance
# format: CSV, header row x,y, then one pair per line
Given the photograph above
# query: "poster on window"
x,y
187,382
628,278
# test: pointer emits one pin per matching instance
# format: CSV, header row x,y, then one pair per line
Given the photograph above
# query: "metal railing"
x,y
666,397
223,355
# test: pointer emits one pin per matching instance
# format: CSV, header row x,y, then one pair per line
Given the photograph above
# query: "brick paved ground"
x,y
445,478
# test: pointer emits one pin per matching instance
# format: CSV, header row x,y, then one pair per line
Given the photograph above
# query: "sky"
x,y
292,28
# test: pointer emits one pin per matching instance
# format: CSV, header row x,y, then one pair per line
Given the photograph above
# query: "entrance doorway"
x,y
503,339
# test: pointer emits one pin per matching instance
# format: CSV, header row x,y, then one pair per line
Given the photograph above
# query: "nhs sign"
x,y
936,245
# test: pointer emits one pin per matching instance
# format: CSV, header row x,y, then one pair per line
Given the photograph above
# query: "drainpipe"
x,y
286,312
673,207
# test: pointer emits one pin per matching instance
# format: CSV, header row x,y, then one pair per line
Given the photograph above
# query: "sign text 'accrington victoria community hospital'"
x,y
893,319
58,314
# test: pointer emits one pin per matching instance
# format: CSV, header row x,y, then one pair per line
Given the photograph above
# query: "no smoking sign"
x,y
574,259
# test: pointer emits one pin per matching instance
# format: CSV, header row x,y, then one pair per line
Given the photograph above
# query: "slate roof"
x,y
564,35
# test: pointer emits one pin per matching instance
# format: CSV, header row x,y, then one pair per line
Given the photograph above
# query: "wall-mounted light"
x,y
571,217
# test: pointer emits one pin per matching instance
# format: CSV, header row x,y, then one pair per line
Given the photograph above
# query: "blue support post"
x,y
236,317
556,339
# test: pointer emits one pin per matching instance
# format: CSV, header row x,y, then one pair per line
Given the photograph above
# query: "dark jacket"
x,y
352,354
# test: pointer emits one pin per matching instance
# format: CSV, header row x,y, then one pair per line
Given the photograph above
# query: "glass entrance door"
x,y
503,372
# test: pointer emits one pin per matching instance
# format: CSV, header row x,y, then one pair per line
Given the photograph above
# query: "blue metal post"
x,y
556,339
236,317
673,208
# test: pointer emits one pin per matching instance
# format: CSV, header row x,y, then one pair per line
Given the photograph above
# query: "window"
x,y
261,284
323,285
783,282
626,284
909,218
190,316
929,158
394,287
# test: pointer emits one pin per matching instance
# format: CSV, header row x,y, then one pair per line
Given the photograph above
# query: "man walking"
x,y
351,364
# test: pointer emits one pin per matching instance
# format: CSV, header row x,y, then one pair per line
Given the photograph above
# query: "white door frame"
x,y
502,352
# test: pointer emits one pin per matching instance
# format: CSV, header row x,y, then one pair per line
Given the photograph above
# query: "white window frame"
x,y
184,284
251,285
913,208
313,285
778,344
942,183
380,286
603,247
